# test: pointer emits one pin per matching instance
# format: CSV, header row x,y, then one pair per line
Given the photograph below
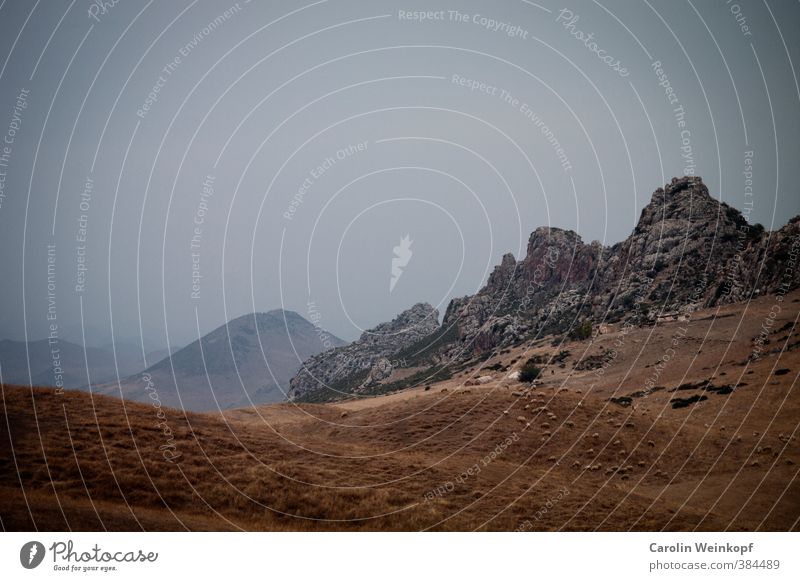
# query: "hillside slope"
x,y
247,361
711,445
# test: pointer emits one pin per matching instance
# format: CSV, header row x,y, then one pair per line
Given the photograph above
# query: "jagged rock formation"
x,y
366,362
687,251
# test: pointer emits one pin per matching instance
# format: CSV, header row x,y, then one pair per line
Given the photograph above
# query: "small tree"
x,y
529,372
582,331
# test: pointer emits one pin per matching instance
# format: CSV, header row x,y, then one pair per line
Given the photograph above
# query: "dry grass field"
x,y
703,439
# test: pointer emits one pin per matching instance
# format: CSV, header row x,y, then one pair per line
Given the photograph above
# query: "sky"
x,y
169,166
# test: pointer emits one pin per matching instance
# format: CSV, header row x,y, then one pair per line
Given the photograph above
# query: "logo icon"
x,y
402,256
31,554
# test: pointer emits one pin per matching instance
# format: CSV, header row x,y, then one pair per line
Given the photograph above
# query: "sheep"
x,y
522,420
651,443
545,425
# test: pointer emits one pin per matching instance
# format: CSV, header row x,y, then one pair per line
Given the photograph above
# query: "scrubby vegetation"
x,y
529,371
582,331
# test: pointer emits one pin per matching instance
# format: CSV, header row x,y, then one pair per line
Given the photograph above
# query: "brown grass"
x,y
71,461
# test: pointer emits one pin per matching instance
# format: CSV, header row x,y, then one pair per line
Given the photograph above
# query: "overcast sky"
x,y
297,144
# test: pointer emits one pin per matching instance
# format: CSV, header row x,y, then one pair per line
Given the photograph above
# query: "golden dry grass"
x,y
75,462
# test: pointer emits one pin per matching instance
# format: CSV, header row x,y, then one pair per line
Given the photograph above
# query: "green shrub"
x,y
582,331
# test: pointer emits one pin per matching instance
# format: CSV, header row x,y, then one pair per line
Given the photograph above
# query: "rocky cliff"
x,y
687,251
365,363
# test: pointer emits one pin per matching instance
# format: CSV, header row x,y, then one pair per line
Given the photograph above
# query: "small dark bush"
x,y
529,372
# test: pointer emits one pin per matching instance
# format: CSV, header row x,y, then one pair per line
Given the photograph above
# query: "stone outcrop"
x,y
687,251
365,362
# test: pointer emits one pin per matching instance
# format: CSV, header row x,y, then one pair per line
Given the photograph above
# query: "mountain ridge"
x,y
248,360
686,251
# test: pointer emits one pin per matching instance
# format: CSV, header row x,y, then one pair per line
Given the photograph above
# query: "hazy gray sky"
x,y
299,142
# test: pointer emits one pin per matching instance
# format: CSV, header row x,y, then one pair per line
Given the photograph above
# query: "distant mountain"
x,y
250,360
687,251
60,362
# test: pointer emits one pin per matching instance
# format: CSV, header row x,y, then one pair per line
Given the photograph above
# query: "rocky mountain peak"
x,y
686,201
546,237
688,250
